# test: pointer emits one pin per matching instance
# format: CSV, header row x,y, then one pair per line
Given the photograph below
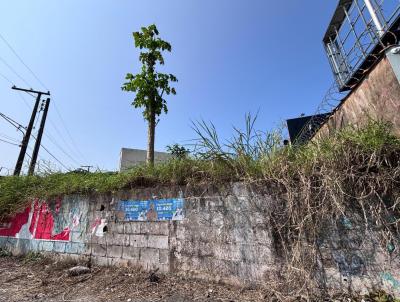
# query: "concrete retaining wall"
x,y
225,236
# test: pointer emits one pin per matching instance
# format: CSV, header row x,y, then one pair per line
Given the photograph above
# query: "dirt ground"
x,y
24,279
36,278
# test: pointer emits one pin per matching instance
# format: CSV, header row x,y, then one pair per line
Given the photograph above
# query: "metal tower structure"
x,y
357,37
357,34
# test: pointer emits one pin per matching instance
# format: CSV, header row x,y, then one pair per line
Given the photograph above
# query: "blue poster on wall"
x,y
152,210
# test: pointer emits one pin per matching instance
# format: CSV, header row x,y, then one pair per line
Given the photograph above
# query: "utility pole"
x,y
39,138
28,132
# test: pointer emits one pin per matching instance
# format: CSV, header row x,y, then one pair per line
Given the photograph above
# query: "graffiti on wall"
x,y
349,264
99,227
388,277
12,226
151,210
43,221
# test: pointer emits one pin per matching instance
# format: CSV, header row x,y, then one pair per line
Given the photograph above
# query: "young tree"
x,y
149,85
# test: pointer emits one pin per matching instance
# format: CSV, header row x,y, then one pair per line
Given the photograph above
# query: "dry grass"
x,y
354,174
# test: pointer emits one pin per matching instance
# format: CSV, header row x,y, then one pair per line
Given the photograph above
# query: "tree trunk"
x,y
150,139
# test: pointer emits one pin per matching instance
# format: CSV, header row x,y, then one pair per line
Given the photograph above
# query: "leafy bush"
x,y
178,151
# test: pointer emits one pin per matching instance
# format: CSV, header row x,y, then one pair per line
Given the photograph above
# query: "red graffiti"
x,y
96,223
11,227
41,224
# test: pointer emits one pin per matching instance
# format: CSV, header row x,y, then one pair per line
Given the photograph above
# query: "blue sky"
x,y
231,57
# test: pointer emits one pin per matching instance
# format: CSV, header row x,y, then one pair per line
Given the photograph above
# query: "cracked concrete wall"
x,y
225,236
221,238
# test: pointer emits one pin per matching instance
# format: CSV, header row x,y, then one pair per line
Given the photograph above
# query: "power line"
x,y
7,142
48,152
15,142
7,79
9,138
78,152
54,141
44,162
19,126
15,124
58,133
64,140
24,100
22,61
60,148
19,94
47,135
14,71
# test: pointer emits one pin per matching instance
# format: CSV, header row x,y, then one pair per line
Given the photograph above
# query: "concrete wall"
x,y
133,157
224,236
377,96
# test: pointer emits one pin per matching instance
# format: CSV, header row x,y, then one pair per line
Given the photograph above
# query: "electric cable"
x,y
7,142
22,61
60,148
6,78
15,72
18,126
44,86
9,138
52,155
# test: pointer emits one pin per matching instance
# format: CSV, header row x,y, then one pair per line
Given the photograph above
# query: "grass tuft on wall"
x,y
249,156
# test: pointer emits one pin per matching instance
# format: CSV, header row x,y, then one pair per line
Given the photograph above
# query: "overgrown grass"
x,y
249,156
355,171
16,192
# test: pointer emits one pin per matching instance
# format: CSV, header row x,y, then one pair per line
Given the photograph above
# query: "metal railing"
x,y
359,33
355,31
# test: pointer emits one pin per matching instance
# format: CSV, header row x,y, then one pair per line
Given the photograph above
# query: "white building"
x,y
133,157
